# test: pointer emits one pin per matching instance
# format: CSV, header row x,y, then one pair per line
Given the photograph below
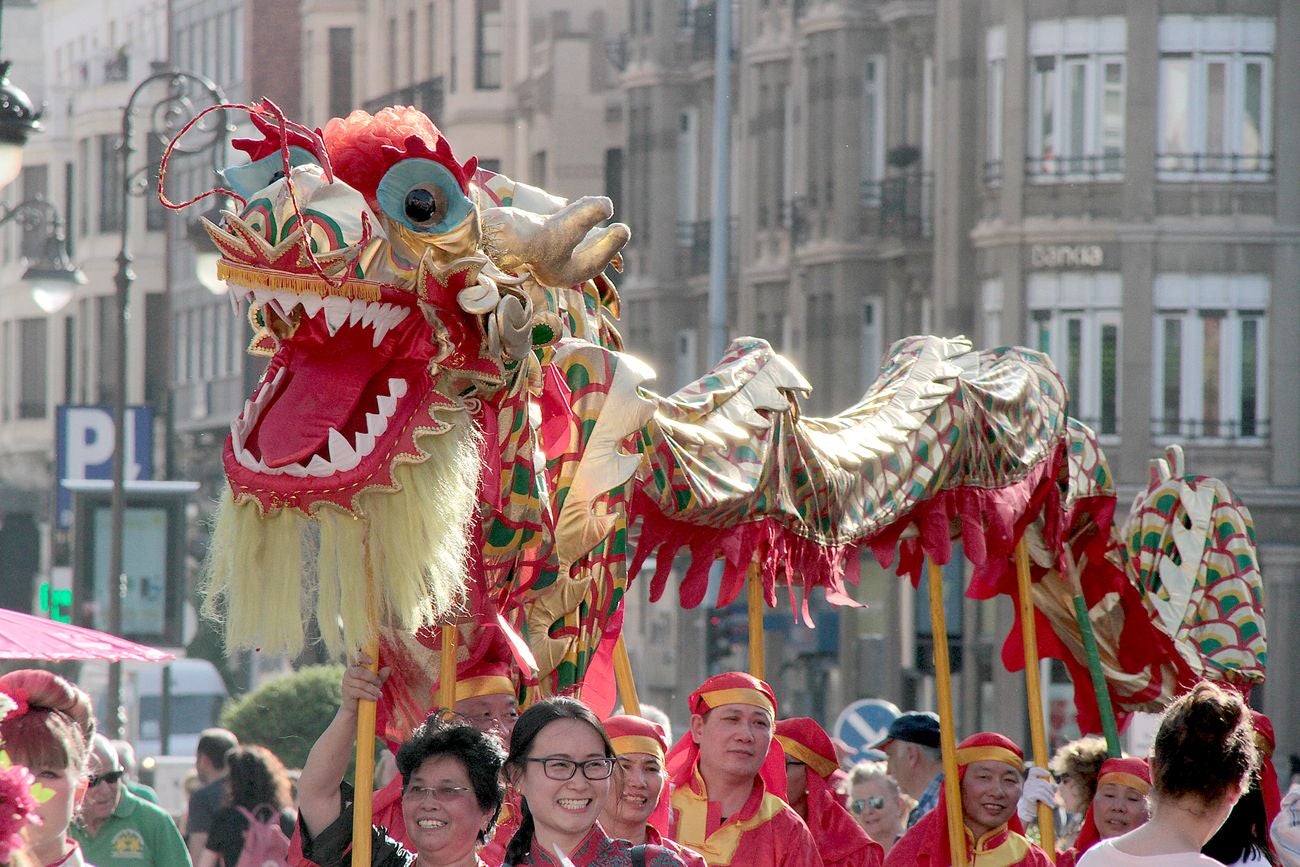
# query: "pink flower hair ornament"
x,y
20,795
13,702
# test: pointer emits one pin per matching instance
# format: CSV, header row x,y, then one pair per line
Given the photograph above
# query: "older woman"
x,y
49,732
1119,806
451,788
877,802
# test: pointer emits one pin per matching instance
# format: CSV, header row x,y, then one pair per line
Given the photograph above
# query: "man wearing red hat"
x,y
989,768
729,779
637,809
812,772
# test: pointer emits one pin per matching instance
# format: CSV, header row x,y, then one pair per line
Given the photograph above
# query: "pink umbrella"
x,y
24,636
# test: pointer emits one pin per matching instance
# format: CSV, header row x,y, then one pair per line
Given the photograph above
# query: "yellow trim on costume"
x,y
799,752
966,755
1122,778
624,744
737,695
1263,744
692,806
488,684
300,284
1009,852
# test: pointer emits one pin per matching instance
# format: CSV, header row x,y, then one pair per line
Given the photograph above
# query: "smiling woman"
x,y
561,761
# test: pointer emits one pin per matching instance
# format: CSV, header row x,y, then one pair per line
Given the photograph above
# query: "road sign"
x,y
864,722
84,446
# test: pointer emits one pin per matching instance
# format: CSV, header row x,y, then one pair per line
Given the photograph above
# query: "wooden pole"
x,y
947,738
365,776
754,597
623,677
1037,729
447,667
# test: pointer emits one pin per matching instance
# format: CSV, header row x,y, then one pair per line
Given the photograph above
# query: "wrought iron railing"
x,y
1077,167
1216,429
427,96
1247,166
899,206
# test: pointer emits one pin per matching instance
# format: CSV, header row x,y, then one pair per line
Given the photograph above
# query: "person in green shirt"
x,y
119,828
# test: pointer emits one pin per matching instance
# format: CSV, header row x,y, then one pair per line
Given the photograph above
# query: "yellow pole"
x,y
623,677
947,739
447,667
365,777
754,597
1037,730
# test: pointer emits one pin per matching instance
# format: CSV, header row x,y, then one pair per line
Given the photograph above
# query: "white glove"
x,y
1286,829
1038,789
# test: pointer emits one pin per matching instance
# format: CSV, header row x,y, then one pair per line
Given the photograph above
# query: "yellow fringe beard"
x,y
404,553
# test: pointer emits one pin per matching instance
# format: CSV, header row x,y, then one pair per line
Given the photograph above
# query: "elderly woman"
x,y
878,803
1119,806
451,788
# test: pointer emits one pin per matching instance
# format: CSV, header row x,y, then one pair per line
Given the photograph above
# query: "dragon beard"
x,y
414,539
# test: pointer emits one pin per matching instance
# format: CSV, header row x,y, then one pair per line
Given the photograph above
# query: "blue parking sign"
x,y
84,448
863,723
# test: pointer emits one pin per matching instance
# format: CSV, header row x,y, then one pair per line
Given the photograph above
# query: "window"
x,y
111,185
487,45
870,339
339,93
688,178
991,312
1075,319
1216,77
1076,96
1209,356
873,122
995,54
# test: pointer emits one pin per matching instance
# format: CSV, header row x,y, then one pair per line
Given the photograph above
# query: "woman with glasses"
x,y
878,803
451,788
260,791
561,761
48,731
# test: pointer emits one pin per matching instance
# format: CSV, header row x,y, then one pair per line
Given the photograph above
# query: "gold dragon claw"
x,y
560,249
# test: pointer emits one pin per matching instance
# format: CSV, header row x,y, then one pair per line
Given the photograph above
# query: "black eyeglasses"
x,y
875,802
112,778
564,769
441,794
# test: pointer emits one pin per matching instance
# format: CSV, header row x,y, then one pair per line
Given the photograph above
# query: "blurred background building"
x,y
1117,183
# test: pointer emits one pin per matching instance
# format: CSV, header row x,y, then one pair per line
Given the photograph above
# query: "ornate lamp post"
x,y
181,96
51,275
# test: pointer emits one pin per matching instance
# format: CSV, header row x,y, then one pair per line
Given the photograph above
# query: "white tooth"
x,y
298,471
235,298
319,467
238,430
400,313
288,301
356,310
311,304
397,387
336,313
387,405
342,454
365,445
248,409
376,424
380,331
245,458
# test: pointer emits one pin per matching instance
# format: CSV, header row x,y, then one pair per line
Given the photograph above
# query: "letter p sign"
x,y
85,448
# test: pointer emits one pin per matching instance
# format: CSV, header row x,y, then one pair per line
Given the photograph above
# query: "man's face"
x,y
106,785
733,740
900,763
989,793
490,714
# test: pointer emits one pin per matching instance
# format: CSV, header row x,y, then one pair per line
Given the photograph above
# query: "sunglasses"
x,y
875,802
112,778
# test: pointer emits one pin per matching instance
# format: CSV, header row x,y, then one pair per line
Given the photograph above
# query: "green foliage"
x,y
288,714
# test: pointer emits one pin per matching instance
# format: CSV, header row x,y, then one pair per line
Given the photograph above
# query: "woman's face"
x,y
1118,809
877,811
1071,792
564,810
56,813
442,813
637,783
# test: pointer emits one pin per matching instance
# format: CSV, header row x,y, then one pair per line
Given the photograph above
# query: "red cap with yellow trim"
x,y
805,741
733,687
634,734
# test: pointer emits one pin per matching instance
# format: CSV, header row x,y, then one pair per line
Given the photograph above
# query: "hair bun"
x,y
49,691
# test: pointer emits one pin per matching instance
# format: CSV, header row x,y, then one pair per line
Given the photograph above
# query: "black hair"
x,y
258,777
1205,745
215,743
1244,833
480,754
529,725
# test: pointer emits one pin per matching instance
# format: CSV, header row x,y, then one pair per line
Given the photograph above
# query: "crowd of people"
x,y
481,785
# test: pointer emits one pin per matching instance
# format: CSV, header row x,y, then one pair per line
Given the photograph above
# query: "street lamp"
x,y
18,120
183,95
52,276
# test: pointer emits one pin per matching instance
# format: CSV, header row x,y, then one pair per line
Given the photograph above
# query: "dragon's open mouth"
x,y
334,385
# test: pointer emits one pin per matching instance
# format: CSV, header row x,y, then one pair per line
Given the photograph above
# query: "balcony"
x,y
1087,168
1252,430
694,239
899,206
1214,167
427,96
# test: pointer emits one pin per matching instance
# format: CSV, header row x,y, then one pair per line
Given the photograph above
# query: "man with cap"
x,y
729,780
989,768
912,755
637,808
813,775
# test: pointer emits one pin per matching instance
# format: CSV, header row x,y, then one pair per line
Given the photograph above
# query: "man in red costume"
x,y
729,780
989,768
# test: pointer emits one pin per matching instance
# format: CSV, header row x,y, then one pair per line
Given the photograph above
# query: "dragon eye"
x,y
425,205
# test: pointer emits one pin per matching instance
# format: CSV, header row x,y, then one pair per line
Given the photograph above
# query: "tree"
x,y
288,714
